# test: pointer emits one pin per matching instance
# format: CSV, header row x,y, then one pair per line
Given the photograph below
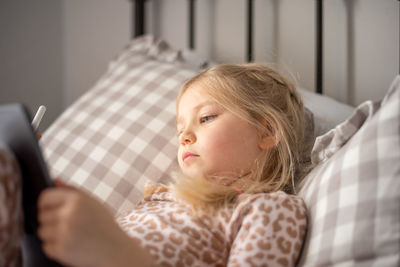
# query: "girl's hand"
x,y
78,230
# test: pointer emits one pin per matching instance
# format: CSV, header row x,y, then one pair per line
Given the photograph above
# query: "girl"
x,y
240,131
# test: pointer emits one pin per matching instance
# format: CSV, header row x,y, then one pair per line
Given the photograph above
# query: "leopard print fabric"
x,y
10,210
262,230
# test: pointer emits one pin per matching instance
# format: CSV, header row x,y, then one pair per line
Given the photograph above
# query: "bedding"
x,y
353,193
121,134
327,111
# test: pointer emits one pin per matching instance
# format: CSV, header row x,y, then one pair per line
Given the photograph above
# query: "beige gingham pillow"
x,y
122,132
353,194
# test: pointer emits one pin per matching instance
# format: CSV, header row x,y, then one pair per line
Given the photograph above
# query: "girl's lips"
x,y
188,155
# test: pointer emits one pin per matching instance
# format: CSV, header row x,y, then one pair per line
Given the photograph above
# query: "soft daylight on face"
x,y
212,140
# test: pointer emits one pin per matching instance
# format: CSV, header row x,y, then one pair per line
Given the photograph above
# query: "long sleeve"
x,y
11,221
269,231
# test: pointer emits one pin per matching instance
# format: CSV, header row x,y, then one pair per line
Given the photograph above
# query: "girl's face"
x,y
212,140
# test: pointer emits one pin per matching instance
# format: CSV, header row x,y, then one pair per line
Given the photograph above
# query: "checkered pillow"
x,y
353,194
121,133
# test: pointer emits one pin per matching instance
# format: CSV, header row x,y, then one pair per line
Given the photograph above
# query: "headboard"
x,y
139,29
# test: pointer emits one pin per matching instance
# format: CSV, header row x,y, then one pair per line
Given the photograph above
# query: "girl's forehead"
x,y
194,93
195,88
194,100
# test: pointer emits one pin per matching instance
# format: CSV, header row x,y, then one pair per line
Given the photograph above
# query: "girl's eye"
x,y
207,118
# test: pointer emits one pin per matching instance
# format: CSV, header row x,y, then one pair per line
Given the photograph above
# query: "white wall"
x,y
362,48
31,43
361,39
95,31
53,51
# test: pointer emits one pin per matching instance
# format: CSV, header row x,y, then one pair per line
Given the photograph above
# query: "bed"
x,y
120,135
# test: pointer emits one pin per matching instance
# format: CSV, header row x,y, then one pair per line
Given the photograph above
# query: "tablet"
x,y
17,133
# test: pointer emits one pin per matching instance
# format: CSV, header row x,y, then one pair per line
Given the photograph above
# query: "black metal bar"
x,y
319,67
192,20
249,30
139,17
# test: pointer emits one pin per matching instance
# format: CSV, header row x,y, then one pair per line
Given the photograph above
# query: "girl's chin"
x,y
191,173
222,179
213,179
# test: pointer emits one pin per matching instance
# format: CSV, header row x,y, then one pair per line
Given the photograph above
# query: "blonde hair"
x,y
261,96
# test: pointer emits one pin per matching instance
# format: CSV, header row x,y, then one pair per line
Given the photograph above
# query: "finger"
x,y
57,252
51,249
55,247
52,198
60,183
48,233
48,216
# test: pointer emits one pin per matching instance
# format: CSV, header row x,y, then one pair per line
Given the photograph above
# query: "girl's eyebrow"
x,y
204,103
196,108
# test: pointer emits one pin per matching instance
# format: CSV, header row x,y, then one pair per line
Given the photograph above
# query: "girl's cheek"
x,y
216,142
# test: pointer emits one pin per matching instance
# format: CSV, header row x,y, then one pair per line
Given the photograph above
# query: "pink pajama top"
x,y
261,230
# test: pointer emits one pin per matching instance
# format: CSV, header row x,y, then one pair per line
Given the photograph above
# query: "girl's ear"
x,y
267,142
270,138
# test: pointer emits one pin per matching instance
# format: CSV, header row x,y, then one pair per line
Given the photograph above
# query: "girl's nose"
x,y
187,138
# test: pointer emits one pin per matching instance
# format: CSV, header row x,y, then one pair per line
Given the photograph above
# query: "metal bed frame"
x,y
139,29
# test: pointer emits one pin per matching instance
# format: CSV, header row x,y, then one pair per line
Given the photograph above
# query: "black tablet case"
x,y
17,133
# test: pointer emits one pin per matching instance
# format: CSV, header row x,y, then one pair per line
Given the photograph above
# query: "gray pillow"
x,y
353,193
